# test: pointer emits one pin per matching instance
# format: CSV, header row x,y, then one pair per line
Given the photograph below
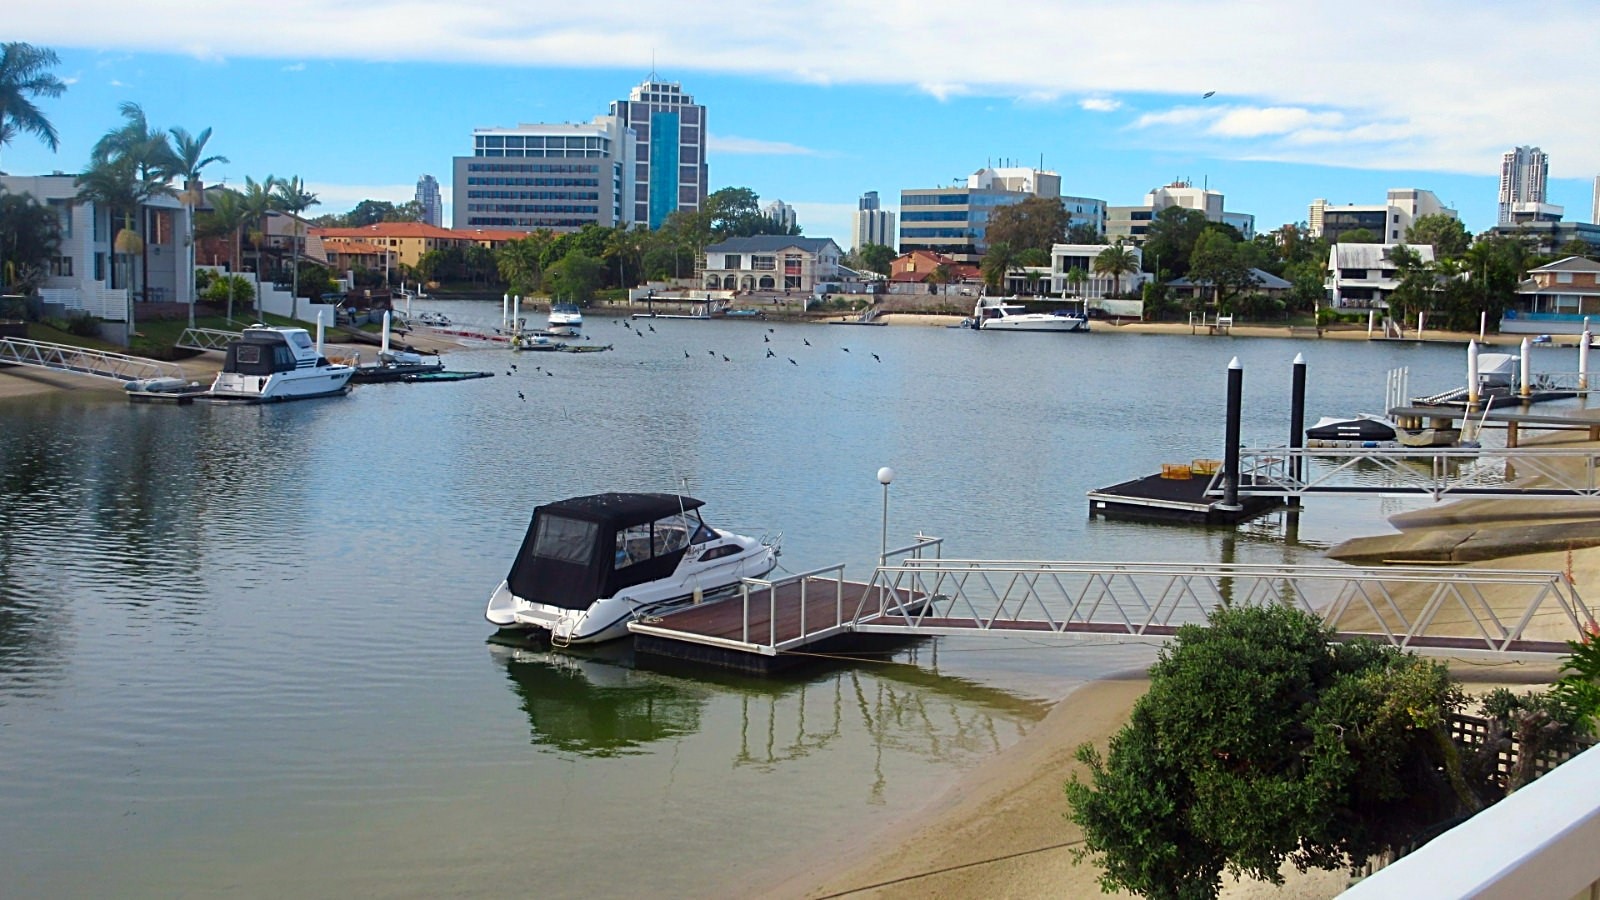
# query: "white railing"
x,y
207,338
110,304
1437,472
749,587
83,361
1411,607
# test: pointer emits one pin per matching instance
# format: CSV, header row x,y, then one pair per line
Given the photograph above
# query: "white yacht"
x,y
565,319
590,564
271,363
1004,314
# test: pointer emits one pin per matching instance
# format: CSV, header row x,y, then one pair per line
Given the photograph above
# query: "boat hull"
x,y
1041,323
301,384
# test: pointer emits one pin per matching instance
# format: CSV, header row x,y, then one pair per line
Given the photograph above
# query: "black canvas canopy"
x,y
570,555
259,353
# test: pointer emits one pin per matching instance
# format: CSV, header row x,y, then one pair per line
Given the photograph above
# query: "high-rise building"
x,y
559,177
871,225
428,198
1523,173
669,168
1594,211
954,221
781,213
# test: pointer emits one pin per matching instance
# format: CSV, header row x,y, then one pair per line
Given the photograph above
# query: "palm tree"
x,y
227,216
189,158
997,264
294,199
152,161
117,186
1075,279
24,74
1116,261
258,201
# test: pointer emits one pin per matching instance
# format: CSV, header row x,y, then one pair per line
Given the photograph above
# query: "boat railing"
x,y
826,578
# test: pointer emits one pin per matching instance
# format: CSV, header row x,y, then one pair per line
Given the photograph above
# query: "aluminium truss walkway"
x,y
83,361
1437,472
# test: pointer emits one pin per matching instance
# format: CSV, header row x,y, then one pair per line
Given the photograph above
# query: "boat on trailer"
x,y
589,565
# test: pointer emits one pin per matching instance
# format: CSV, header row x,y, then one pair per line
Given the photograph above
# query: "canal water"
x,y
242,649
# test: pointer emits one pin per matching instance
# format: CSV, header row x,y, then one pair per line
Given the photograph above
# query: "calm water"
x,y
242,649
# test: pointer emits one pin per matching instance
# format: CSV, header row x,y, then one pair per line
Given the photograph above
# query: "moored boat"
x,y
269,363
565,319
1356,430
588,565
1002,314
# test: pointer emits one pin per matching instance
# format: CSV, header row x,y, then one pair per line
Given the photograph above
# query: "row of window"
x,y
949,216
519,141
502,181
526,222
937,233
551,168
933,199
533,208
554,154
534,195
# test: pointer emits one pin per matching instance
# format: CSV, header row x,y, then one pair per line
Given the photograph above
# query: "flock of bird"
x,y
766,339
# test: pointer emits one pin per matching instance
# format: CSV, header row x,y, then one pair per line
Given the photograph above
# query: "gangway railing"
x,y
83,360
1436,472
207,338
1460,611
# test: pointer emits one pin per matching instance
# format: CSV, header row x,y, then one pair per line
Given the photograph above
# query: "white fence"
x,y
109,304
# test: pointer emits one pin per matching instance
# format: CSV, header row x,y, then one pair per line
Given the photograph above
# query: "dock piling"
x,y
1297,418
1230,456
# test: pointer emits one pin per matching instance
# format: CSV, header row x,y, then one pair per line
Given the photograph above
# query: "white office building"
x,y
557,176
429,200
781,213
1131,224
871,224
1523,174
1388,220
669,172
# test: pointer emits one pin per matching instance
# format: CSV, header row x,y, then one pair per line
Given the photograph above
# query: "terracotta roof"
x,y
357,248
395,230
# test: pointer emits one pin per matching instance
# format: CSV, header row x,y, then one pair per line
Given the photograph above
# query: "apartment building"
x,y
559,177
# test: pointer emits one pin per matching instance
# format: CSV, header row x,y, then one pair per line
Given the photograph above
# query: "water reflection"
x,y
597,706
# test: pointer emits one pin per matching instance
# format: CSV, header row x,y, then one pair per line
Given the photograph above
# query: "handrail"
x,y
83,360
1456,471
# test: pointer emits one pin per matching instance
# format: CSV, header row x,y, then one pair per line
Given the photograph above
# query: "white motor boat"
x,y
272,363
589,565
565,319
1003,314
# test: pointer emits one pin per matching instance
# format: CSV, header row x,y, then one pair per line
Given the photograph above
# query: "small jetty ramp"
x,y
83,361
1493,613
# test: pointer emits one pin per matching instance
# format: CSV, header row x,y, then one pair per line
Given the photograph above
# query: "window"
x,y
764,263
1563,278
564,540
61,267
99,267
732,261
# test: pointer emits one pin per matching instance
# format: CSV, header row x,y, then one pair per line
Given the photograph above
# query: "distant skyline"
x,y
815,103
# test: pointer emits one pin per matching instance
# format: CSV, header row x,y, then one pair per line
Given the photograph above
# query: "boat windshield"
x,y
663,537
565,540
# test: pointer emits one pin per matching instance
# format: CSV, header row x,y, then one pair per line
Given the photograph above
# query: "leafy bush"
x,y
217,292
81,324
1261,741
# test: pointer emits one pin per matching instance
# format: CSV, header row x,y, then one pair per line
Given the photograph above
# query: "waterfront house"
x,y
1362,276
910,272
87,274
1265,284
1094,285
1556,299
771,262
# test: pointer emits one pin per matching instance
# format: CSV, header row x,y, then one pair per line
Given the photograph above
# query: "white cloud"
x,y
1100,104
296,67
830,220
730,144
71,80
1414,71
1178,116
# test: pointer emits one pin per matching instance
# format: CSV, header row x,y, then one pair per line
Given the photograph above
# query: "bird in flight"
x,y
725,358
520,397
649,326
875,356
845,349
765,339
807,343
1207,95
770,354
685,354
792,362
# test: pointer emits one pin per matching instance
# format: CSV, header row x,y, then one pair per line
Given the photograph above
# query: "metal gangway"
x,y
207,339
1436,472
1464,612
83,361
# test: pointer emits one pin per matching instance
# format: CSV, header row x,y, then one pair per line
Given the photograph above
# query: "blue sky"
x,y
814,103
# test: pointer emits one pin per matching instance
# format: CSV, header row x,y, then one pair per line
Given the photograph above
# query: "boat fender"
x,y
699,595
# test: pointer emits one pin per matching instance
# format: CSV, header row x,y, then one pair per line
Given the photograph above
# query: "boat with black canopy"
x,y
588,565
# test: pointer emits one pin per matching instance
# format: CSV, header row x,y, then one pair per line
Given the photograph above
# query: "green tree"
x,y
1076,277
1417,283
1576,247
876,257
1359,236
997,264
519,263
1445,234
1262,741
1219,264
1116,261
258,202
30,234
575,277
1084,234
189,161
1036,223
24,75
292,197
228,217
143,155
1170,240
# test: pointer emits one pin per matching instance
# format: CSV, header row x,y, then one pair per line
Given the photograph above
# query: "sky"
x,y
814,103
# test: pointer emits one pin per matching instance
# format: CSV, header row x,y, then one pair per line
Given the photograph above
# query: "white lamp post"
x,y
885,475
